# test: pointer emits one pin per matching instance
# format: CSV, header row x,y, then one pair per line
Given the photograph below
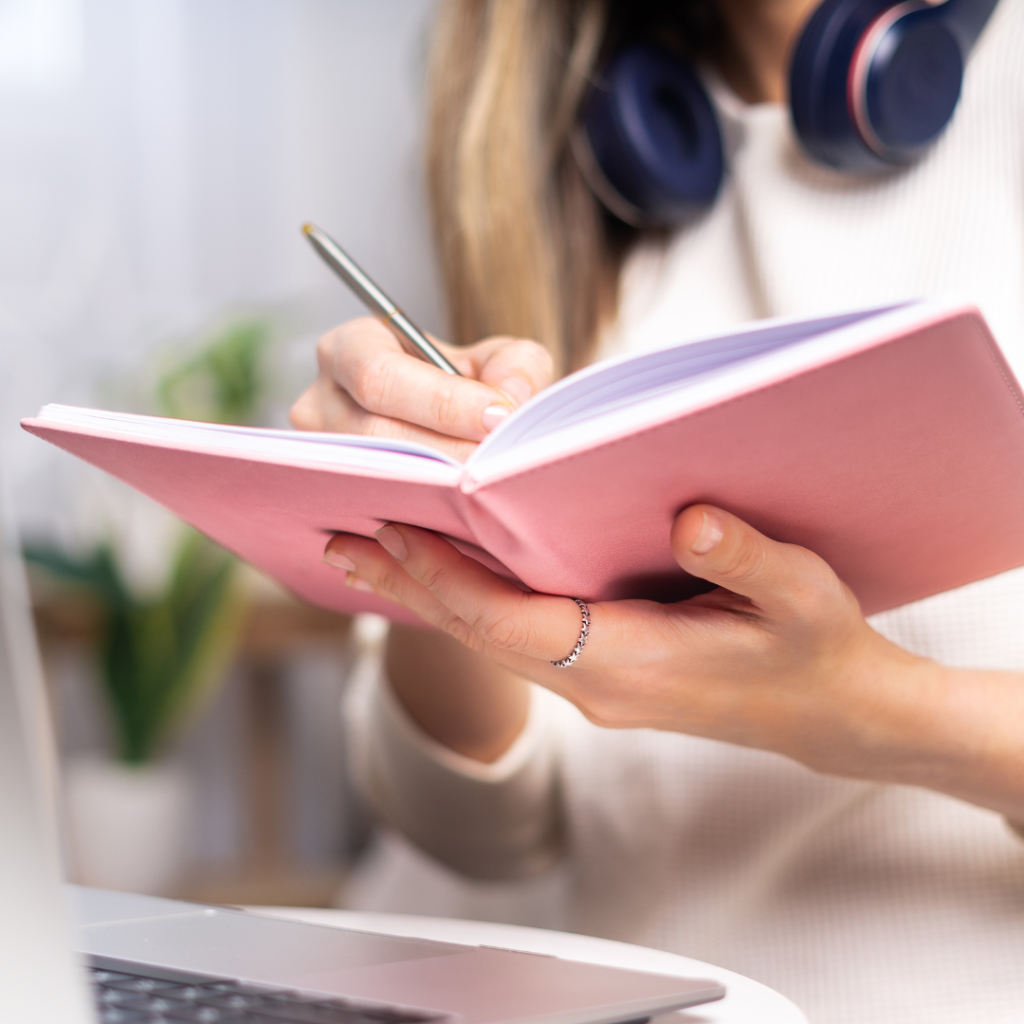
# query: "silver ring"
x,y
582,642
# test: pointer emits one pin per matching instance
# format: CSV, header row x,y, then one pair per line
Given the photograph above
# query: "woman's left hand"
x,y
777,657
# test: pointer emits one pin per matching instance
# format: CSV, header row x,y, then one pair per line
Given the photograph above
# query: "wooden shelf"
x,y
276,622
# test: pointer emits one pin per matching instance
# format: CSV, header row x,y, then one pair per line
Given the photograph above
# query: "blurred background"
x,y
157,158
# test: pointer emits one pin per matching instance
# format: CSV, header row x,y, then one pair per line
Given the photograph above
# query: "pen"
x,y
413,340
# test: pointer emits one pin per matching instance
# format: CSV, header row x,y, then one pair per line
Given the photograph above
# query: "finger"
x,y
366,361
305,413
498,612
325,407
516,367
368,567
780,578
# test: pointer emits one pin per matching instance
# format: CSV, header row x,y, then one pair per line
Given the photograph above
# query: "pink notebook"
x,y
891,442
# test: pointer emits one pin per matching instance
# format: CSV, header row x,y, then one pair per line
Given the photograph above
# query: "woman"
x,y
757,777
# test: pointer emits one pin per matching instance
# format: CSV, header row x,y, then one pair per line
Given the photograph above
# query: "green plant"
x,y
223,382
161,655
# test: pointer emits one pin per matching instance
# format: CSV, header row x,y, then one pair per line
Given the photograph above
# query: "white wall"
x,y
156,160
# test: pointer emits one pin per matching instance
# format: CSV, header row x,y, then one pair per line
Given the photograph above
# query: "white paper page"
x,y
631,380
343,450
591,396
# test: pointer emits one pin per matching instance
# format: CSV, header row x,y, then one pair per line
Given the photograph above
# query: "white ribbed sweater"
x,y
861,902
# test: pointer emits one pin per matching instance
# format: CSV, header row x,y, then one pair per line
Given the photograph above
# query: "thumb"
x,y
718,547
516,367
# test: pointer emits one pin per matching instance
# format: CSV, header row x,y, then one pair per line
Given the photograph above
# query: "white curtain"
x,y
157,158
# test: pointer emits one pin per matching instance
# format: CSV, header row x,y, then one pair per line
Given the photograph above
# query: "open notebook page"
x,y
345,450
609,387
584,397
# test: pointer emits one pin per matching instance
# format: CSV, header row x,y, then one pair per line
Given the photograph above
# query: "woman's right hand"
x,y
368,384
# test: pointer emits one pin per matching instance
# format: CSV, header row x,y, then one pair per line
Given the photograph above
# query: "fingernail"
x,y
338,560
493,415
711,531
517,389
357,584
392,542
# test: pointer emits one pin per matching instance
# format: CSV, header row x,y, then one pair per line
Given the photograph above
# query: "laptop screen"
x,y
42,980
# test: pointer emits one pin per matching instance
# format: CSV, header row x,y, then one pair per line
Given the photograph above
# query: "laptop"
x,y
79,956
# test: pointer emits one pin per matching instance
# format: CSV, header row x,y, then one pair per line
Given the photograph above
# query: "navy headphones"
x,y
872,84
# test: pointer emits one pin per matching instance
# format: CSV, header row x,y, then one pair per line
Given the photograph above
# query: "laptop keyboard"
x,y
123,998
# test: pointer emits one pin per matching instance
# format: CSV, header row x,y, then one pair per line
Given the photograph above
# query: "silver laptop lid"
x,y
42,981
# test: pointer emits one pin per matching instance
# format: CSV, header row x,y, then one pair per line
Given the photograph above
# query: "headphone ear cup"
x,y
905,82
819,82
649,143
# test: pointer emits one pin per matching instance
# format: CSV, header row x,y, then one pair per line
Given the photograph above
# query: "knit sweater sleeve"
x,y
493,821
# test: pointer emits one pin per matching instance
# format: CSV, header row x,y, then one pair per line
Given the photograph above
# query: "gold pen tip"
x,y
307,228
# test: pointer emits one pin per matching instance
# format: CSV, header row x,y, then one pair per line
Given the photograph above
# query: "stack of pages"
x,y
890,441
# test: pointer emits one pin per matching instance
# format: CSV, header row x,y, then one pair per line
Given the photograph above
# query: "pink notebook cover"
x,y
900,462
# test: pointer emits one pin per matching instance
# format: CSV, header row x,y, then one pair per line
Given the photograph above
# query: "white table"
x,y
746,1001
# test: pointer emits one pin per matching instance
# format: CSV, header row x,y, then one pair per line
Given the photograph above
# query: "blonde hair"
x,y
524,247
